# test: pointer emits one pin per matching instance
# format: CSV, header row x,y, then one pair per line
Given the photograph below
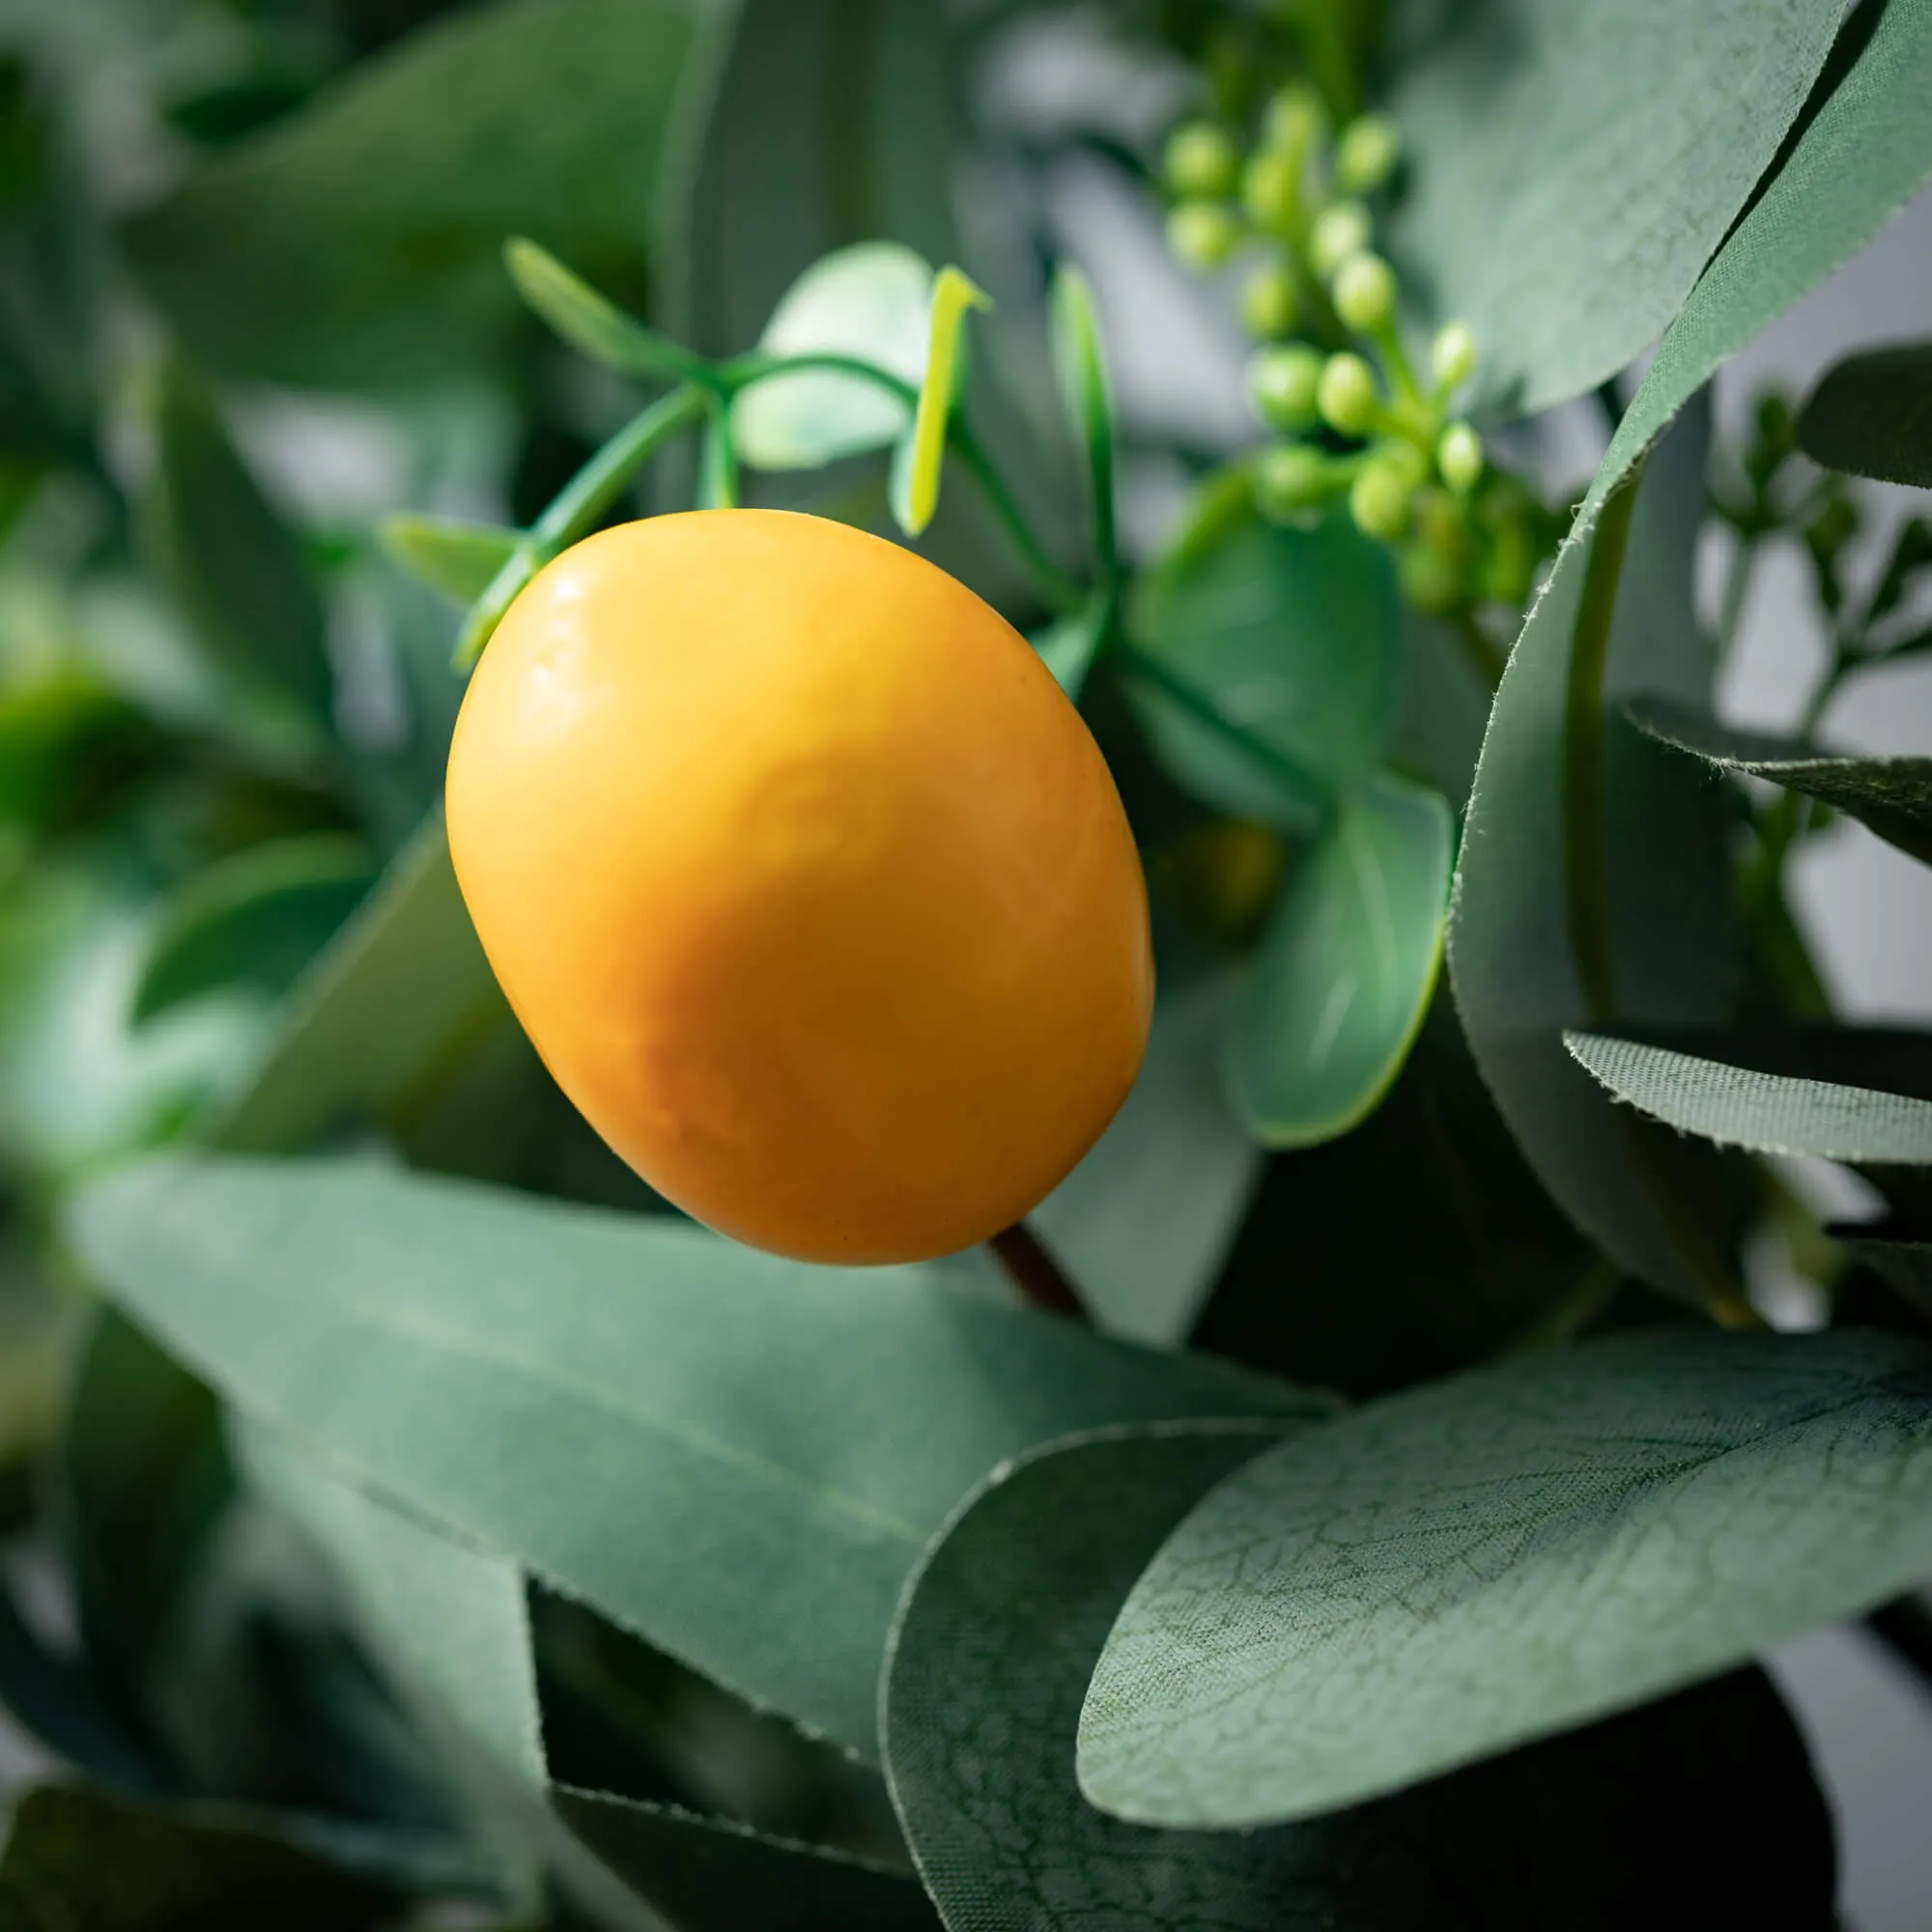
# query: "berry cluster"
x,y
1333,377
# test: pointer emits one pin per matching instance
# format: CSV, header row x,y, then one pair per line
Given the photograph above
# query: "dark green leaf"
x,y
1766,1110
1690,1813
1905,1266
383,1016
80,1862
706,1875
1572,173
253,921
1872,415
52,1700
1859,162
872,301
1291,634
1456,1570
1327,1010
1891,796
460,559
574,1390
1595,879
235,567
359,242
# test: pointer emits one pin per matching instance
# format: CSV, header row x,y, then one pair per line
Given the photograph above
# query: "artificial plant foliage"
x,y
1872,415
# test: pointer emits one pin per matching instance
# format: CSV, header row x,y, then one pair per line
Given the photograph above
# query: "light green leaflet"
x,y
1326,1011
922,453
457,559
1441,1575
574,1390
591,323
1773,1113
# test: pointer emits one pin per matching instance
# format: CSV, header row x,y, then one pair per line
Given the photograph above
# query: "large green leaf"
x,y
1858,162
1144,1223
1771,1110
1574,171
1481,1561
597,1395
388,1011
1891,796
870,300
232,563
1291,634
1697,1812
1595,882
253,921
1872,414
360,241
1327,1010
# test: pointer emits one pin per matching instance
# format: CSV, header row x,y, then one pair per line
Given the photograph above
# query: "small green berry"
x,y
1268,302
1291,480
1431,580
1381,501
1345,396
1202,161
1459,456
1271,188
1366,155
1295,120
1283,383
1452,356
1365,293
1339,231
1202,234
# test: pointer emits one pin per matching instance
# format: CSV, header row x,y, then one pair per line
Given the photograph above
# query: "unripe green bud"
x,y
1283,383
1295,120
1452,356
1291,479
1381,501
1407,462
1366,155
1268,302
1365,293
1339,232
1271,188
1202,234
1346,395
1202,161
1459,456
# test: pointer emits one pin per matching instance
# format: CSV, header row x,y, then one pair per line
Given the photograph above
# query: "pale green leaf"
x,y
1081,368
1328,1008
1455,1570
589,321
452,556
922,451
595,1395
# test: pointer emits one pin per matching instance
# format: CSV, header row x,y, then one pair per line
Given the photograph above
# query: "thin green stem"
x,y
1737,584
581,505
717,470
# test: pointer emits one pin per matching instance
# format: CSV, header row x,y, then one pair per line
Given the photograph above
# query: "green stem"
x,y
1737,581
581,505
1056,586
717,470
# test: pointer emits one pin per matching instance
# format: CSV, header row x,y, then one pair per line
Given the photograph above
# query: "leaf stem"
x,y
1036,1275
576,509
1737,582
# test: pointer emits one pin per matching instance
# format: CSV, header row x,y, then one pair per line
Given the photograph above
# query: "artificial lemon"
x,y
806,880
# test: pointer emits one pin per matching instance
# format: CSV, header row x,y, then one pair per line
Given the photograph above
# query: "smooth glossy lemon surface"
x,y
804,878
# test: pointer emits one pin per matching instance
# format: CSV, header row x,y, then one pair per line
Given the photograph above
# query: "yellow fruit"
x,y
806,880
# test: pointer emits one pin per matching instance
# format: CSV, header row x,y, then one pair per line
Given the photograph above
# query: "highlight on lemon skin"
x,y
806,880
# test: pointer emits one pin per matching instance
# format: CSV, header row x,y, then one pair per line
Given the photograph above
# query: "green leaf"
x,y
813,126
592,325
401,994
1451,1570
1860,160
254,920
1291,634
708,1875
53,1702
1905,1266
1771,1112
459,558
1081,368
1144,1223
1334,997
1700,1810
1891,797
1068,647
1571,173
574,1390
917,462
358,242
232,563
872,301
79,1858
1872,415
